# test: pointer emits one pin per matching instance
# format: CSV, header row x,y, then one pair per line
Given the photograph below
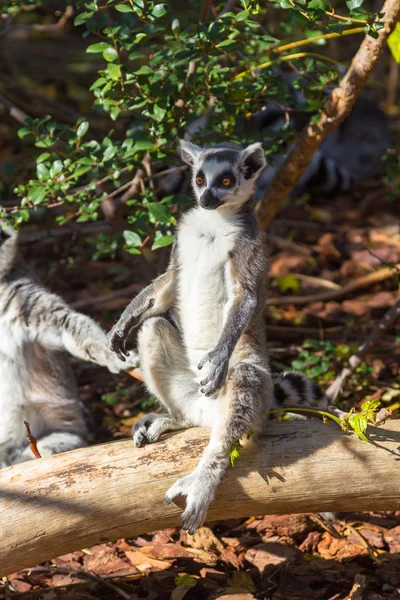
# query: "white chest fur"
x,y
205,239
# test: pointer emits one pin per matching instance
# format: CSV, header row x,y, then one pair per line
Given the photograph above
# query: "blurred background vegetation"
x,y
99,92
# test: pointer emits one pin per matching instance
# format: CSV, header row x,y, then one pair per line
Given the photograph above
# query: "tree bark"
x,y
337,109
55,505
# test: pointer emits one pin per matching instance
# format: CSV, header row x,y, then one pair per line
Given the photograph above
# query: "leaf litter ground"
x,y
315,248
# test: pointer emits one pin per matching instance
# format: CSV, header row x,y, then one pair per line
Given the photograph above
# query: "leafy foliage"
x,y
320,359
356,422
159,72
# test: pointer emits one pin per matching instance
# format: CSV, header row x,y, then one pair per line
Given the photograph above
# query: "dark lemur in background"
x,y
37,329
206,314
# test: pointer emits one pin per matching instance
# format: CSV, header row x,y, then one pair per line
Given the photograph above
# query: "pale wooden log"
x,y
63,503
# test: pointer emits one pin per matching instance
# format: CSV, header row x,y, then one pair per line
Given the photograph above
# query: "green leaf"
x,y
394,43
176,27
159,10
98,83
124,8
81,171
318,370
97,48
359,425
298,365
114,71
56,168
352,4
114,112
82,129
23,132
317,4
159,212
288,282
110,54
83,17
144,70
42,157
184,579
36,195
226,43
162,242
158,112
132,238
235,452
42,171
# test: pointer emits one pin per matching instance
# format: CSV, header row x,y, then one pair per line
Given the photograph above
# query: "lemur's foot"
x,y
150,427
198,495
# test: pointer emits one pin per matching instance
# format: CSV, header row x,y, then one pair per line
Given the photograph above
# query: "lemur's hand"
x,y
132,316
219,360
119,334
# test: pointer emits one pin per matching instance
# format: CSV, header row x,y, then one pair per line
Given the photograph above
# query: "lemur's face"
x,y
223,175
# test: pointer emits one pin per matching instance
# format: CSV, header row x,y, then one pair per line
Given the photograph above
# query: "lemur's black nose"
x,y
208,200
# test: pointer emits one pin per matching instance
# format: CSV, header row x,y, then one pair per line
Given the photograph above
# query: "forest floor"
x,y
314,248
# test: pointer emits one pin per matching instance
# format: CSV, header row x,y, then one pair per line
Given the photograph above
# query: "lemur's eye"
x,y
199,180
226,181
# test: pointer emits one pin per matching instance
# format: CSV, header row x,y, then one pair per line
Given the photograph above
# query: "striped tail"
x,y
296,389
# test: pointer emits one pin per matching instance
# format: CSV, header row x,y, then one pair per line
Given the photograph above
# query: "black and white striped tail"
x,y
296,389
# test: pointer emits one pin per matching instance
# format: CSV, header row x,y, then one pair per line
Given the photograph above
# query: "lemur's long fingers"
x,y
207,379
217,380
117,343
203,361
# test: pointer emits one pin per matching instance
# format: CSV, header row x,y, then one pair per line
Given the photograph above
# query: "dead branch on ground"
x,y
354,361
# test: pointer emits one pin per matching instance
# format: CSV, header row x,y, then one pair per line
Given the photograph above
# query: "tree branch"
x,y
62,503
337,109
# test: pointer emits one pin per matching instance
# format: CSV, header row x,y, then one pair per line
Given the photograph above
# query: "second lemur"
x,y
37,330
202,344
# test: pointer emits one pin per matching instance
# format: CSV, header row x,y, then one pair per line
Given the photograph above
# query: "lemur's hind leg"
x,y
167,376
241,405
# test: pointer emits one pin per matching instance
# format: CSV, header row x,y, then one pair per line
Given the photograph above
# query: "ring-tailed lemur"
x,y
206,314
36,381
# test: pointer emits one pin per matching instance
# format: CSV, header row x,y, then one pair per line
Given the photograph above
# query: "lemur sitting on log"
x,y
37,385
206,314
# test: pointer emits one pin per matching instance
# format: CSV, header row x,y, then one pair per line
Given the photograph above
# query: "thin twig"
x,y
229,6
357,284
32,441
205,7
52,28
388,320
14,112
298,44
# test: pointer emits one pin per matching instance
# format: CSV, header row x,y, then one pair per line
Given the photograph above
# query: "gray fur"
x,y
37,385
215,289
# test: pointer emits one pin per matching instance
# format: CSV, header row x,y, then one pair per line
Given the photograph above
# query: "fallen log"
x,y
51,506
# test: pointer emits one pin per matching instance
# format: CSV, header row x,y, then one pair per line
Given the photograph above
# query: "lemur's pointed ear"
x,y
189,152
252,160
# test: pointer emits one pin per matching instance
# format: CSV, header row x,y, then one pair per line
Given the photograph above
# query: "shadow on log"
x,y
55,505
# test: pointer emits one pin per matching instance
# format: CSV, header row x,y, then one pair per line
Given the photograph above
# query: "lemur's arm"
x,y
244,274
47,319
155,299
